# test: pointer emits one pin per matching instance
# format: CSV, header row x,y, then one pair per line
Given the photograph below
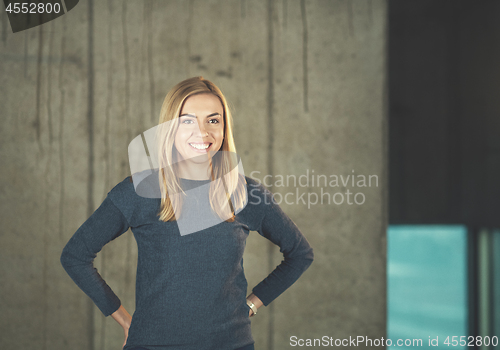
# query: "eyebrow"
x,y
193,116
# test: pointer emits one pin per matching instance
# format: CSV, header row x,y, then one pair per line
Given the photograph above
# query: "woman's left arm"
x,y
298,254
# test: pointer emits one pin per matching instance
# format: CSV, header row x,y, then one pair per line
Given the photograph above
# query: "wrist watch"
x,y
252,306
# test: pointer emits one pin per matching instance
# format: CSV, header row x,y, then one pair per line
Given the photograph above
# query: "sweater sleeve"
x,y
298,254
104,225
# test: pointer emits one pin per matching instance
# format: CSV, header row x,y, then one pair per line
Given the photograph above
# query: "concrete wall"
x,y
307,84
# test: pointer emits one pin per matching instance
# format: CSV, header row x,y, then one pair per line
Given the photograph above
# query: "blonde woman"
x,y
190,215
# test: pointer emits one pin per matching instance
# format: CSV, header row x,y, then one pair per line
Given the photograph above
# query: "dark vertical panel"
x,y
444,112
396,68
480,108
419,110
454,118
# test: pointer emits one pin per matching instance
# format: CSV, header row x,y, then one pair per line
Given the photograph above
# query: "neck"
x,y
193,171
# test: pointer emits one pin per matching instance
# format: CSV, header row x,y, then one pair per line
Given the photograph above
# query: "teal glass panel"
x,y
496,286
427,284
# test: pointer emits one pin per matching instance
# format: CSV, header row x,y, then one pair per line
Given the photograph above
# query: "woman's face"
x,y
201,127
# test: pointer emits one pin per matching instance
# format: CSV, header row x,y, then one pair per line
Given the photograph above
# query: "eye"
x,y
187,121
214,121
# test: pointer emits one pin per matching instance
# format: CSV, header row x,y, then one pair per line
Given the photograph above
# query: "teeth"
x,y
200,145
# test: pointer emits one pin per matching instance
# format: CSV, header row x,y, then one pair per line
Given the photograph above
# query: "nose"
x,y
203,131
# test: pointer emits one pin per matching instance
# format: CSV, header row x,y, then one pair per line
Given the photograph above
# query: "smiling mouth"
x,y
201,146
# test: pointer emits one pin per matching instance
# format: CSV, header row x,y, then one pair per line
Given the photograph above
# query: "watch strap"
x,y
252,306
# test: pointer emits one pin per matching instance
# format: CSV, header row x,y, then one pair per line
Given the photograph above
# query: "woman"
x,y
190,217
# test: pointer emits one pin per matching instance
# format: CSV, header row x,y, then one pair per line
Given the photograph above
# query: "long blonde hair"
x,y
224,167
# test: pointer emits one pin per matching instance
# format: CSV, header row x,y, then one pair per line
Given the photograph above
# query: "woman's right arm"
x,y
104,225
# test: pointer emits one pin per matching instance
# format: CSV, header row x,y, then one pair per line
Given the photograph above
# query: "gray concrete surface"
x,y
306,81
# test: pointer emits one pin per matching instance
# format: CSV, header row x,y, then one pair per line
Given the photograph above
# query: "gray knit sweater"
x,y
190,289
